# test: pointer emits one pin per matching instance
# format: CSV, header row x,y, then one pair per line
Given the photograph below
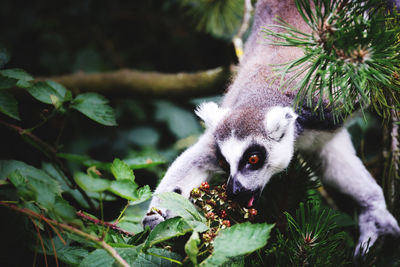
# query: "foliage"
x,y
350,57
219,18
82,206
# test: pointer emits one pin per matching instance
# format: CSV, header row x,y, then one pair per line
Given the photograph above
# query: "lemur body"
x,y
256,131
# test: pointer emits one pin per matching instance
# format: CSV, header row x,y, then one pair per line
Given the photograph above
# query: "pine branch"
x,y
113,253
349,57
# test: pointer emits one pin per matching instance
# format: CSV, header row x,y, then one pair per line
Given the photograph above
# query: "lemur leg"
x,y
344,171
189,170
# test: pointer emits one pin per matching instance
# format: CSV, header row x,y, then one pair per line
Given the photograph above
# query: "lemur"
x,y
256,131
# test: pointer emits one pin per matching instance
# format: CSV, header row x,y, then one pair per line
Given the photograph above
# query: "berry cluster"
x,y
219,211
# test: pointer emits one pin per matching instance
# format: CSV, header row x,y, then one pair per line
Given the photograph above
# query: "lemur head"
x,y
251,145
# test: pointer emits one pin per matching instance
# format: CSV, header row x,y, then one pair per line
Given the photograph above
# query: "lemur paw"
x,y
375,223
154,217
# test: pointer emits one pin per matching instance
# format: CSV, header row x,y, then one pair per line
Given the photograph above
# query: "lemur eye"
x,y
253,159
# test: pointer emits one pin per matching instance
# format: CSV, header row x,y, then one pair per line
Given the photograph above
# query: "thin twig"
x,y
110,250
101,222
238,39
41,241
53,246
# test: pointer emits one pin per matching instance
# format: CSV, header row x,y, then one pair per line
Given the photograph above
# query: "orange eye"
x,y
254,159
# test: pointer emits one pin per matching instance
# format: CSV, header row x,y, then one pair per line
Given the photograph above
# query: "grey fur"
x,y
255,111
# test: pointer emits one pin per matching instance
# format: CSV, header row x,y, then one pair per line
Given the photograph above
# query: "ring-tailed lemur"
x,y
256,131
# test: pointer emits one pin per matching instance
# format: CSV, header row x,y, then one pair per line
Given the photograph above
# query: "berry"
x,y
207,237
253,212
222,214
210,215
211,202
204,186
226,223
195,193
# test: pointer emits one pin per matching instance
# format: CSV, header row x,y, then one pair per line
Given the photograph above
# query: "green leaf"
x,y
237,240
181,206
72,255
121,171
91,184
45,187
138,161
166,230
48,92
65,184
157,257
181,122
192,247
101,258
142,194
6,82
18,74
123,188
95,107
9,105
63,211
128,190
85,161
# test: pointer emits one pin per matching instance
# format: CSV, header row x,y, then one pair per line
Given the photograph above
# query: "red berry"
x,y
226,223
210,215
204,186
222,214
253,212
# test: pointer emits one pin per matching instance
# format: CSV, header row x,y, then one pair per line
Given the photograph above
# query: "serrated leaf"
x,y
121,171
48,92
63,211
192,247
91,184
45,187
22,77
181,206
65,184
166,230
142,194
9,105
238,240
101,258
123,188
95,107
149,260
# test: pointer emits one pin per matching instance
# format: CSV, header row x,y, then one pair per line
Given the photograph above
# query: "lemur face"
x,y
251,146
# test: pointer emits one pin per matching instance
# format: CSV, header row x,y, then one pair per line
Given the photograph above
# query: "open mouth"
x,y
246,199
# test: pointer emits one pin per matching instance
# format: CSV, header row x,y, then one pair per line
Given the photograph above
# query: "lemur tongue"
x,y
250,203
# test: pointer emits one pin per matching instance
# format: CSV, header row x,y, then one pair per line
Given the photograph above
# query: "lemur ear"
x,y
278,121
210,113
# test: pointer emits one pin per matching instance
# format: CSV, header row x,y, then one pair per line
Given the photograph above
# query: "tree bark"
x,y
126,82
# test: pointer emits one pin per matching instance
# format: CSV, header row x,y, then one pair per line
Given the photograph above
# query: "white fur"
x,y
280,126
210,113
277,121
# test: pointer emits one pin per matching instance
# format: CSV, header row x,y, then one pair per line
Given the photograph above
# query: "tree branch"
x,y
133,82
113,253
238,39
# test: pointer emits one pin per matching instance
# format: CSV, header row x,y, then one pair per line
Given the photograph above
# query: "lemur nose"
x,y
234,187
